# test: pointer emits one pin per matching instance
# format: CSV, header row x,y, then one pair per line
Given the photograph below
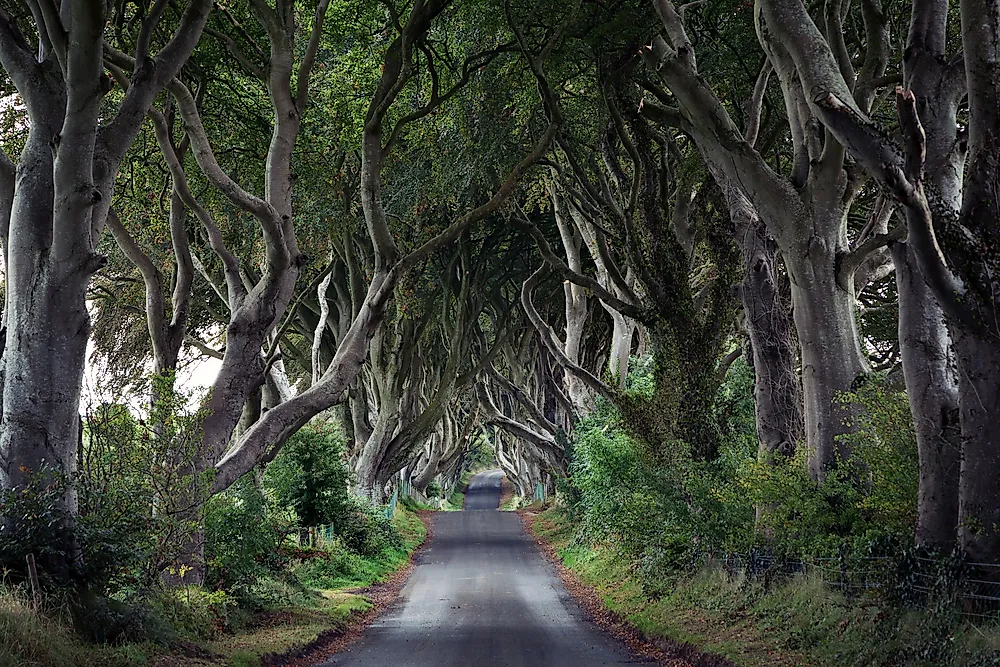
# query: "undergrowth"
x,y
796,619
289,610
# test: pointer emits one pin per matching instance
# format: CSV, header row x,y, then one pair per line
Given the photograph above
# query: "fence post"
x,y
391,507
36,593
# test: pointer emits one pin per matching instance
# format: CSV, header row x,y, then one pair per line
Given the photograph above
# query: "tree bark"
x,y
932,391
830,347
777,395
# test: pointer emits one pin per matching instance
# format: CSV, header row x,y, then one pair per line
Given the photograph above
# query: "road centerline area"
x,y
482,595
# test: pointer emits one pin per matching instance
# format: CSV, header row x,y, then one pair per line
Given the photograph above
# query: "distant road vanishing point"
x,y
482,596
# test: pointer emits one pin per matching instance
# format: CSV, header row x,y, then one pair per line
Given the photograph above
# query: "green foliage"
x,y
885,445
340,566
664,507
660,507
196,613
132,481
366,530
136,486
480,455
798,619
242,538
310,475
867,501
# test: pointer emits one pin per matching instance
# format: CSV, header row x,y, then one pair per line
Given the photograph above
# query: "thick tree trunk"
x,y
777,396
830,348
44,356
46,331
932,390
427,471
979,398
777,392
369,463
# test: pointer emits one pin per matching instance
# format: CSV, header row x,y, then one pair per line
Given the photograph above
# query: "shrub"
x,y
310,476
661,507
366,530
866,505
197,613
242,538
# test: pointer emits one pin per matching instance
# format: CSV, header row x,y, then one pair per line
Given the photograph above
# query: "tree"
x,y
806,213
57,201
951,222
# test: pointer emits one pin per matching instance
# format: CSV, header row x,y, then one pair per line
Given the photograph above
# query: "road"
x,y
483,596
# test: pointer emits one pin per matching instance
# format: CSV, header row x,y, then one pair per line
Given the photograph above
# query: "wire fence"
x,y
970,589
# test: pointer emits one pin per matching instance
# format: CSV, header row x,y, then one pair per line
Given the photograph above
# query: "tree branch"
x,y
549,340
309,59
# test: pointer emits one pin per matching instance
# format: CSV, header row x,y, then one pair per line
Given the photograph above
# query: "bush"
x,y
366,530
664,507
310,476
197,613
127,526
866,505
242,538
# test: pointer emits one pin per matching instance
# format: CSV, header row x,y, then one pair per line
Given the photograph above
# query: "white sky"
x,y
194,378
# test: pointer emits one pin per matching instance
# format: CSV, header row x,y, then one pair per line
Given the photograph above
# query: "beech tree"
x,y
57,197
807,212
259,290
951,221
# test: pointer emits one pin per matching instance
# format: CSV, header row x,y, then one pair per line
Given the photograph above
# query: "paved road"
x,y
482,596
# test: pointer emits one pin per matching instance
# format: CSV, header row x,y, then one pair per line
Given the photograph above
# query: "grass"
x,y
797,621
456,501
345,569
31,639
511,504
284,628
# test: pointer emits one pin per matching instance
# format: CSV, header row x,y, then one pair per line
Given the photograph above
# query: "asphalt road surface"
x,y
483,596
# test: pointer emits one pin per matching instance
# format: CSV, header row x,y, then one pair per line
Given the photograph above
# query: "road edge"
x,y
383,595
664,651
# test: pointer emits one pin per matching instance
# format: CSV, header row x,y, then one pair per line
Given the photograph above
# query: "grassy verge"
x,y
509,500
329,599
798,621
456,501
513,503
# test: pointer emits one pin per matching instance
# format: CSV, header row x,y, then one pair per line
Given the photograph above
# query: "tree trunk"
x,y
830,347
932,390
428,470
621,346
575,307
979,398
777,396
47,327
370,461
